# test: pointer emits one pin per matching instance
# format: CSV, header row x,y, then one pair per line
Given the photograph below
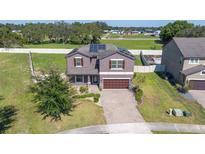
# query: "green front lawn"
x,y
135,44
160,95
14,83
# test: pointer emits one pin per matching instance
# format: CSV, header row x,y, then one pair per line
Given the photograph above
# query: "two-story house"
x,y
184,58
106,65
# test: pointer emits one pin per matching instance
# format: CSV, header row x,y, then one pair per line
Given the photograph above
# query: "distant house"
x,y
150,32
16,31
105,65
184,58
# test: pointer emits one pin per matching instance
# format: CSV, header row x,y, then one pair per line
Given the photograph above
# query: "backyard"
x,y
160,95
14,83
129,44
138,60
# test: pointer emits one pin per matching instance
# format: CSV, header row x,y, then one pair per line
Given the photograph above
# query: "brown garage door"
x,y
115,83
197,84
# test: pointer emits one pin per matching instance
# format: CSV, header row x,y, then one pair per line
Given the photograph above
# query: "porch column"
x,y
89,82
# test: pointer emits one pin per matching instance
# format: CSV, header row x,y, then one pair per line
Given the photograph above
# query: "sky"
x,y
118,23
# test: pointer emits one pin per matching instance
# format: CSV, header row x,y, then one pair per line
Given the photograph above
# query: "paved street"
x,y
120,106
137,128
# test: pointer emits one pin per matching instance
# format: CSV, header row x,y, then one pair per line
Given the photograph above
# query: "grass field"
x,y
160,95
129,44
14,83
135,44
52,45
46,61
138,60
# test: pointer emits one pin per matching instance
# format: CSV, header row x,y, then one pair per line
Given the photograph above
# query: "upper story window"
x,y
78,61
193,61
117,64
203,72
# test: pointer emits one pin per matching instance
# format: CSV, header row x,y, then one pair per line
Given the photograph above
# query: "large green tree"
x,y
53,95
198,31
171,29
9,39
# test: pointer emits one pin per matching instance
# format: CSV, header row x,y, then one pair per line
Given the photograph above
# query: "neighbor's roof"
x,y
101,53
193,70
191,47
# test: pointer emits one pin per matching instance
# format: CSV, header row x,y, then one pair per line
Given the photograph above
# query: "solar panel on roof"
x,y
96,47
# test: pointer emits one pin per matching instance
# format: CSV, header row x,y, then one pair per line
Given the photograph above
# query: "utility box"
x,y
177,112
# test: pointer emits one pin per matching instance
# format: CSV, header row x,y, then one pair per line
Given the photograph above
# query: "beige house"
x,y
184,58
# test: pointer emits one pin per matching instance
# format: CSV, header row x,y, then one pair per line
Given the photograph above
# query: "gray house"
x,y
106,65
184,58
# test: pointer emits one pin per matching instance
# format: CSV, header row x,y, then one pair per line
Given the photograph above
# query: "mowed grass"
x,y
138,60
129,44
44,62
160,95
52,45
135,44
14,88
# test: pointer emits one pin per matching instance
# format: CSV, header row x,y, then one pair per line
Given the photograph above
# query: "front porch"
x,y
84,79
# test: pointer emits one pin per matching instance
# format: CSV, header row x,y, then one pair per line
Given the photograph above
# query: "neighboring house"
x,y
106,65
184,58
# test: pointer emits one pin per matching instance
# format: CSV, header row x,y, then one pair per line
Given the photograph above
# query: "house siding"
x,y
104,63
187,65
70,62
196,76
171,56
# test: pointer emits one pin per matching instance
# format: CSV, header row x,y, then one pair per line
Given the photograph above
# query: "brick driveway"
x,y
119,106
198,95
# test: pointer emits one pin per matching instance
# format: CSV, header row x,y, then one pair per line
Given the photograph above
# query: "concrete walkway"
x,y
137,128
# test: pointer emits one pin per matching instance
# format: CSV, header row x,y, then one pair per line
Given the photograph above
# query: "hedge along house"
x,y
106,65
184,58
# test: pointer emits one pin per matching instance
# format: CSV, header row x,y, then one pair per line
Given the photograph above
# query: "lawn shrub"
x,y
95,96
84,89
139,95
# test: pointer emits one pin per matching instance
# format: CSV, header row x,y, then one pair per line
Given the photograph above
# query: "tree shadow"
x,y
1,98
7,117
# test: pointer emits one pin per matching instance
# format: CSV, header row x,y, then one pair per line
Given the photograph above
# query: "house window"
x,y
79,78
78,62
203,72
194,61
117,64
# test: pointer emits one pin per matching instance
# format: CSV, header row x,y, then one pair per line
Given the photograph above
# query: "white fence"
x,y
148,69
146,52
65,51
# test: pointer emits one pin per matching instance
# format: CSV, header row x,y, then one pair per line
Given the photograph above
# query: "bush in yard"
x,y
138,95
53,95
95,96
84,89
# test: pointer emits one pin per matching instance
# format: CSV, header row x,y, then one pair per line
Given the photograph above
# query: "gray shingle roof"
x,y
109,50
193,70
83,71
191,47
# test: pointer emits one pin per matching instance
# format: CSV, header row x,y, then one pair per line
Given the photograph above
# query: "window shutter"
x,y
74,60
110,64
123,64
82,61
